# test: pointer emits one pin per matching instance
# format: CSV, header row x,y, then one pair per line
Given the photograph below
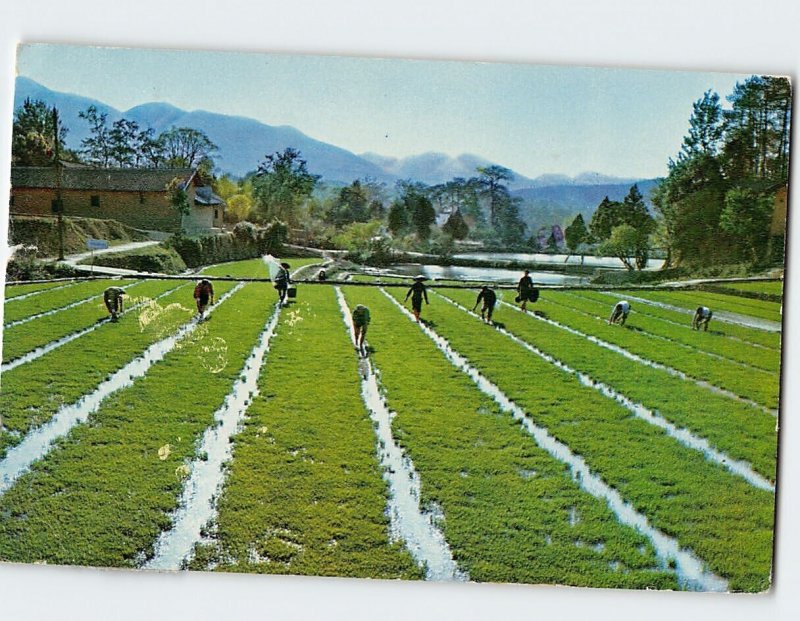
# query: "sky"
x,y
534,119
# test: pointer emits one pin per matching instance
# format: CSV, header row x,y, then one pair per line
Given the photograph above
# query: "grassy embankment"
x,y
57,299
23,338
102,496
755,384
772,287
716,302
512,513
724,520
733,427
304,492
33,393
683,336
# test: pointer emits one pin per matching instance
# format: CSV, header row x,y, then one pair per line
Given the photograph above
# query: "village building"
x,y
137,197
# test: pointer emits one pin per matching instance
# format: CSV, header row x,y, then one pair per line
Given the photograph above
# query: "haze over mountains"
x,y
243,142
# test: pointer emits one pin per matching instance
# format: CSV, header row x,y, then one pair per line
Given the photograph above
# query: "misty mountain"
x,y
243,143
559,204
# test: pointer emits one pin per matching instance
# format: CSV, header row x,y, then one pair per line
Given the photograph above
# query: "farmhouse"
x,y
137,197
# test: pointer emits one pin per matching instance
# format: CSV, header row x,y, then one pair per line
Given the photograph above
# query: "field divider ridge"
x,y
40,351
63,308
25,296
424,540
38,442
684,436
650,363
197,504
691,570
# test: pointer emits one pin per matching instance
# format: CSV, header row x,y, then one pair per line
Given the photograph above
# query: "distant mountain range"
x,y
243,143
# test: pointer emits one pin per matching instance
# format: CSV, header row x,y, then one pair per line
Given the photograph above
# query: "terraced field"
x,y
548,448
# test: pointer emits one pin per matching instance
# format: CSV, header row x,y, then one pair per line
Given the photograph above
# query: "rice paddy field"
x,y
547,448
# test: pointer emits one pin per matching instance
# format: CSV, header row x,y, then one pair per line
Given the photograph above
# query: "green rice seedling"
x,y
716,301
33,392
734,428
23,338
304,492
753,336
770,287
511,512
106,491
683,335
757,385
13,291
724,520
254,268
56,299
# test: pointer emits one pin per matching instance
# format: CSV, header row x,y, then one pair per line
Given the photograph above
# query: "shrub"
x,y
246,241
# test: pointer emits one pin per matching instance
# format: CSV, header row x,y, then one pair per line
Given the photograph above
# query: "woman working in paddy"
x,y
417,292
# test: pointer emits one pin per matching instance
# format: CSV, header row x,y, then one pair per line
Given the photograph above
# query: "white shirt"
x,y
624,306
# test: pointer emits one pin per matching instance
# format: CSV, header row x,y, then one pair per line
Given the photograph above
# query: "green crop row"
x,y
754,336
103,494
715,301
23,338
724,520
512,513
13,291
304,492
771,287
33,393
682,336
755,384
254,268
57,299
734,428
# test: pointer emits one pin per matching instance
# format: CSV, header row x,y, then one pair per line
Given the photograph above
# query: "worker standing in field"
x,y
282,280
525,288
701,318
113,301
489,299
203,294
620,312
417,291
361,320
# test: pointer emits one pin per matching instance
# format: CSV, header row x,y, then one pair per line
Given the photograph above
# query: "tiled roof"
x,y
109,179
204,195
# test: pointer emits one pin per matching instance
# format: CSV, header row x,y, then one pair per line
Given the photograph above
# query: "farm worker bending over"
x,y
113,299
701,318
360,325
620,312
525,288
489,299
282,281
203,293
417,292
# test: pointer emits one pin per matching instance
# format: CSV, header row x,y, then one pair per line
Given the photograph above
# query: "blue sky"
x,y
535,119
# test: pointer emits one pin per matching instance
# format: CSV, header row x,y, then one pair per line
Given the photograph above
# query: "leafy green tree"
x,y
576,234
747,216
179,198
491,179
398,219
239,207
351,205
97,149
281,185
705,127
608,215
622,243
33,138
455,226
185,147
123,142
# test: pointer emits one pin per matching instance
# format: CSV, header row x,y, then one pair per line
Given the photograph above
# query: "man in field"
x,y
281,283
113,300
619,313
417,292
489,299
525,289
701,318
203,294
360,324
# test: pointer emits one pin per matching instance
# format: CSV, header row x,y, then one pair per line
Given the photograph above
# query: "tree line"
x,y
121,144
